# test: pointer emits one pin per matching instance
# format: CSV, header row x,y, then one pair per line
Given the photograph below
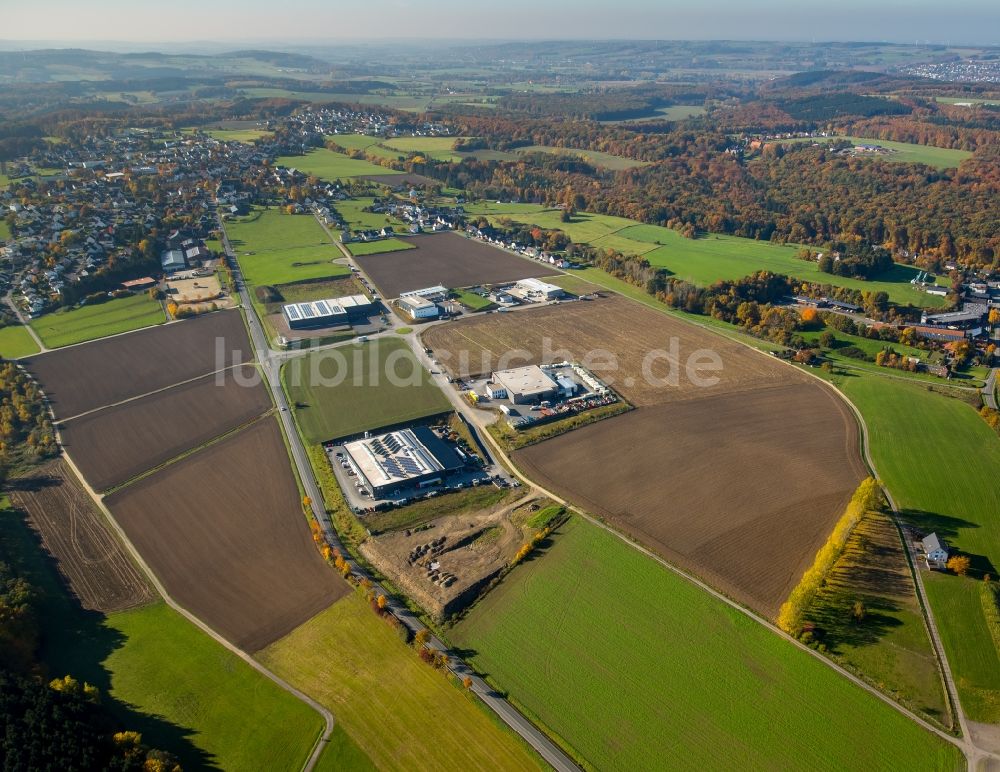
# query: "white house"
x,y
935,551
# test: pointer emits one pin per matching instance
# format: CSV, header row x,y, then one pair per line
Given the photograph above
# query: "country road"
x,y
989,390
271,366
975,754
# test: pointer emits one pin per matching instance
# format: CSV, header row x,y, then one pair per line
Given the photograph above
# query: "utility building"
x,y
328,313
526,384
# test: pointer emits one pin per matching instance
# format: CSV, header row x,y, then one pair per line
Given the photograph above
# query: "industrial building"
x,y
536,288
437,292
417,307
172,261
409,457
328,313
525,385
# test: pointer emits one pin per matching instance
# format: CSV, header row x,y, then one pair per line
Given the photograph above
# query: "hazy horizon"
x,y
311,22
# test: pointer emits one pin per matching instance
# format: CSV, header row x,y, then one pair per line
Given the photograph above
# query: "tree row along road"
x,y
271,365
973,753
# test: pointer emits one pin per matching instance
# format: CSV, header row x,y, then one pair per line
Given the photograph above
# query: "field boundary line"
x,y
970,751
326,715
188,453
154,391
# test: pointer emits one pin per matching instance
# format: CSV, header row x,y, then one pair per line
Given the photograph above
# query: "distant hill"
x,y
54,65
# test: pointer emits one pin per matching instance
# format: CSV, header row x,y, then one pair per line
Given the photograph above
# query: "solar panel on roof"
x,y
307,311
293,313
323,309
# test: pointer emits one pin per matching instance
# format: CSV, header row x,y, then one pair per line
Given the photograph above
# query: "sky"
x,y
311,21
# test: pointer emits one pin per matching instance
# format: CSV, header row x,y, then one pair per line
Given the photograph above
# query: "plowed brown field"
x,y
741,489
81,378
739,482
636,336
87,552
223,530
448,259
117,443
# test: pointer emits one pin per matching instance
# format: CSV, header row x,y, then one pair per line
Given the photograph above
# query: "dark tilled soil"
x,y
741,489
447,259
223,529
113,445
92,375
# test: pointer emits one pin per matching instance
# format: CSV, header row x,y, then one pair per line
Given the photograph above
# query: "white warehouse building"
x,y
417,307
539,288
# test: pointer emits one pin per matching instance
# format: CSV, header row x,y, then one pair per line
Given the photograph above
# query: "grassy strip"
x,y
865,498
16,342
420,512
884,640
344,520
77,325
357,248
989,593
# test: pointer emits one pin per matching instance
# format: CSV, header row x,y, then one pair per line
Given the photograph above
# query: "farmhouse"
x,y
935,551
418,308
327,313
526,384
540,289
414,456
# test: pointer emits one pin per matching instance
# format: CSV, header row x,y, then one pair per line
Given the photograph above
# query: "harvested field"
x,y
88,554
631,331
223,530
470,549
448,259
98,374
393,180
782,465
117,443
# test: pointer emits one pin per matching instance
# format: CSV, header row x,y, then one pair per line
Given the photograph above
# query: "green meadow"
x,y
329,165
77,325
705,260
276,248
16,342
906,152
348,391
594,157
636,668
940,461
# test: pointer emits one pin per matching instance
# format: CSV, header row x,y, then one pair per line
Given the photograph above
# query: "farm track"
x,y
327,716
162,361
270,365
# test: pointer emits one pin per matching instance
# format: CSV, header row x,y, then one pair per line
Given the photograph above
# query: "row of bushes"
x,y
989,594
866,498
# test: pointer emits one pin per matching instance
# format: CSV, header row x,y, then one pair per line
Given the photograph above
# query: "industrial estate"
x,y
477,421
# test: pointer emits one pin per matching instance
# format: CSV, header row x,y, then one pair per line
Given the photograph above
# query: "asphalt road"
x,y
989,390
270,365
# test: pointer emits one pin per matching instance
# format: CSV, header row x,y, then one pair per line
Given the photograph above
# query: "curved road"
x,y
271,363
